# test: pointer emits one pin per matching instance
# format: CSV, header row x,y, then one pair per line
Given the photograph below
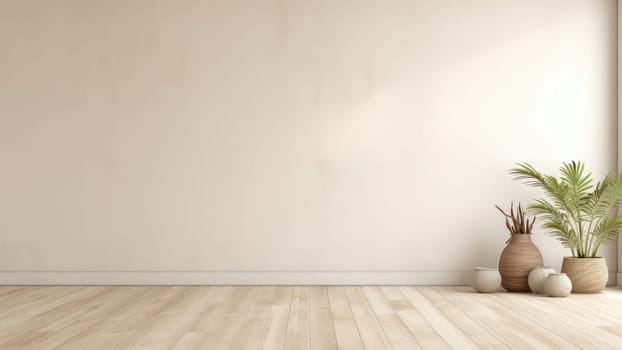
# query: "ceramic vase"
x,y
519,257
536,278
557,285
486,279
588,275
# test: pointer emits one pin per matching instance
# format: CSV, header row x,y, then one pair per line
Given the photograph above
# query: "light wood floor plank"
x,y
143,323
392,325
600,305
191,340
468,325
206,330
90,322
425,335
452,335
33,321
175,320
569,324
301,317
346,332
515,331
273,336
249,335
234,317
321,329
371,331
6,291
297,334
35,302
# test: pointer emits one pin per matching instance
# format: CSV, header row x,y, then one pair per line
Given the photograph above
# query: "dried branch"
x,y
520,224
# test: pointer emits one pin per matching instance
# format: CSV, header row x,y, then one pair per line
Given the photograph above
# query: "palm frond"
x,y
606,230
606,198
556,221
576,212
556,190
579,184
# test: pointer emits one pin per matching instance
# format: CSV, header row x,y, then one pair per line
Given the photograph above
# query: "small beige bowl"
x,y
486,279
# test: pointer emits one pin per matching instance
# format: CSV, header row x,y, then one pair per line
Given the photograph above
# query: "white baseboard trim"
x,y
234,278
242,278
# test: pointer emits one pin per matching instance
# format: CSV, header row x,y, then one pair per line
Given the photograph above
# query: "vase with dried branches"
x,y
520,255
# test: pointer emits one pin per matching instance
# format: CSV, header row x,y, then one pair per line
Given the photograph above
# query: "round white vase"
x,y
486,279
557,285
536,278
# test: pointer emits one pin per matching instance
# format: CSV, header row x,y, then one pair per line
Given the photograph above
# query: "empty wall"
x,y
288,141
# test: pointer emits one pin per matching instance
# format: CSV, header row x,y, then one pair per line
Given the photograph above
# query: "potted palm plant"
x,y
579,214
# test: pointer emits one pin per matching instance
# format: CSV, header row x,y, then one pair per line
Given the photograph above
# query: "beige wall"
x,y
290,135
619,277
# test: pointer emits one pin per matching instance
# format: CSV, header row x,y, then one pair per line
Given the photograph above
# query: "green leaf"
x,y
574,211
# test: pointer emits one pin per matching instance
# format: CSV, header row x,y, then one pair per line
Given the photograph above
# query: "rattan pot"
x,y
518,258
588,275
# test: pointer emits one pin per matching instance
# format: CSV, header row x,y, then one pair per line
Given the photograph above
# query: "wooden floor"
x,y
301,317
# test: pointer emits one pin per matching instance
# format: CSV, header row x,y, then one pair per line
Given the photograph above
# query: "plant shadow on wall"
x,y
579,214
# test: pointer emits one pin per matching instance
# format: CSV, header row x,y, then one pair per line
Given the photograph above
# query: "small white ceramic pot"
x,y
536,278
557,285
486,279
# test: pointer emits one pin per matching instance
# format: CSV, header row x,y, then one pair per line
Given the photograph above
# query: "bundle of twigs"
x,y
517,224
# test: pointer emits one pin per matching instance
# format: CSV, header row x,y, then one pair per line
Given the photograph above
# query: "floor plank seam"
x,y
402,321
291,301
498,299
332,323
481,324
266,324
532,321
378,323
358,331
